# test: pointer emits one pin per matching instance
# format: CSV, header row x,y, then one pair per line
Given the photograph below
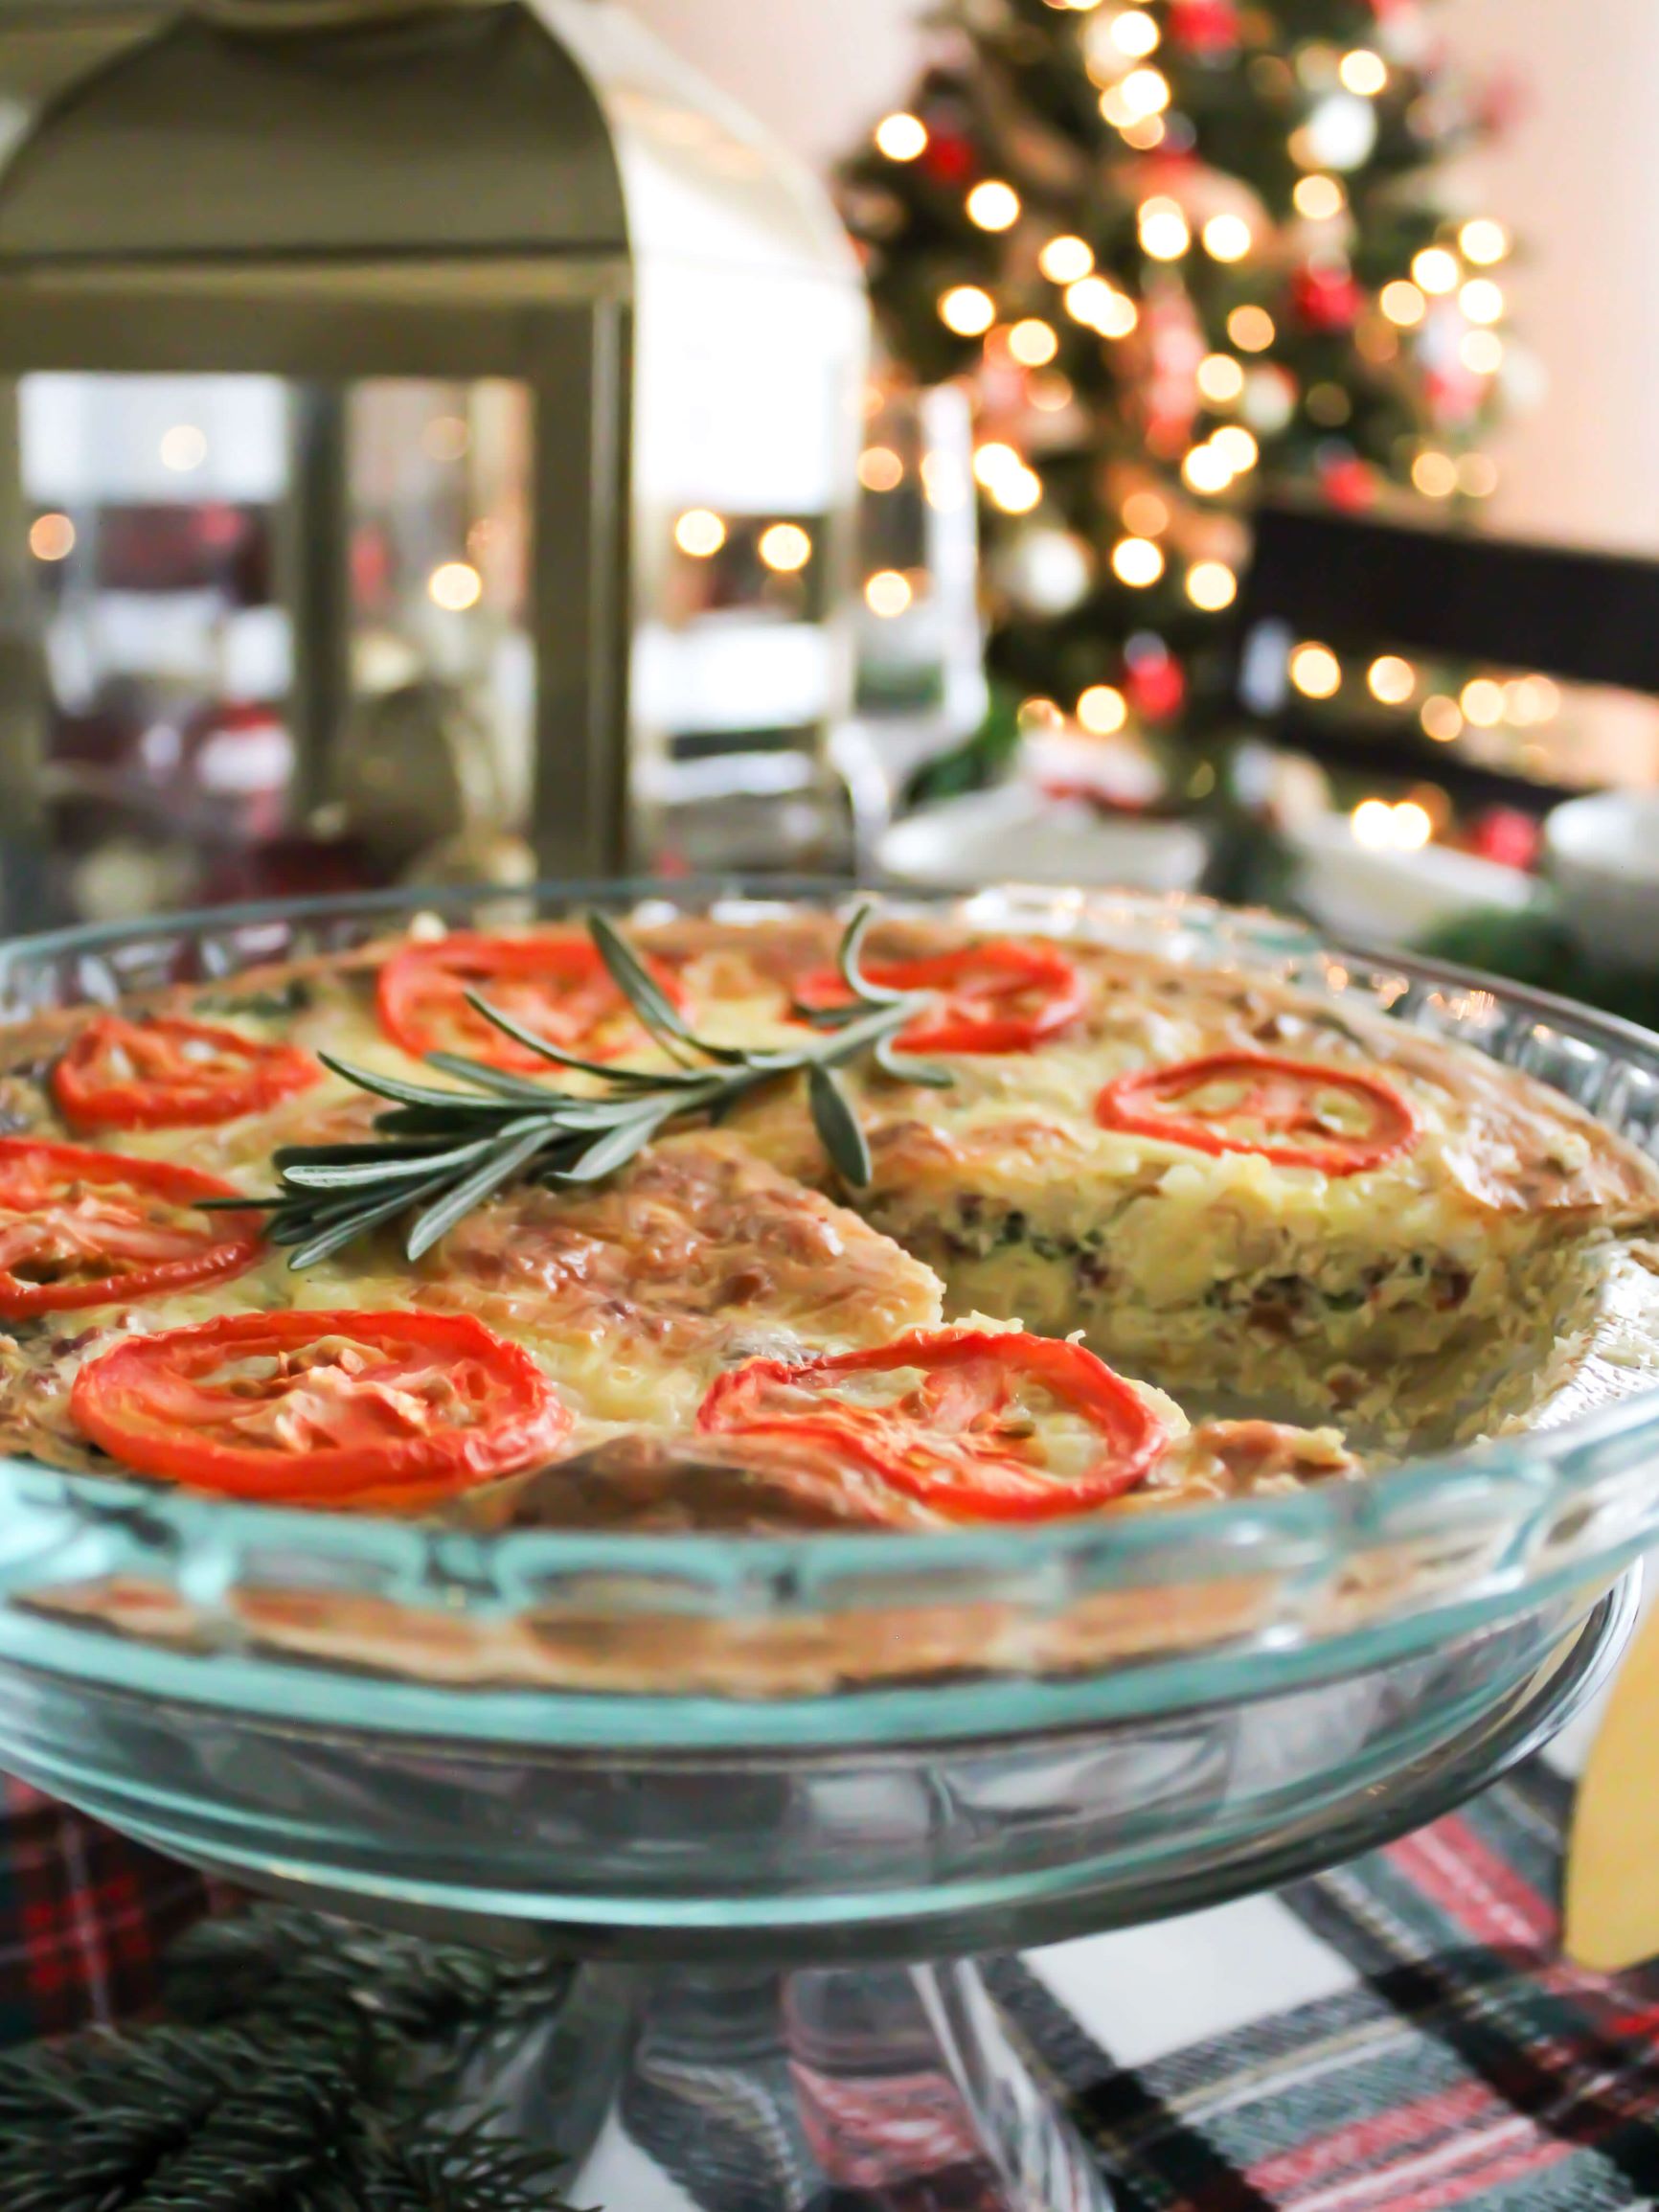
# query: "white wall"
x,y
1578,181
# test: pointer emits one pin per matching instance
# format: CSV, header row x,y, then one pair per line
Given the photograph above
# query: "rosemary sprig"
x,y
436,1154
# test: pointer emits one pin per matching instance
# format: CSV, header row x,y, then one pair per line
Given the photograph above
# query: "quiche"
x,y
1123,1234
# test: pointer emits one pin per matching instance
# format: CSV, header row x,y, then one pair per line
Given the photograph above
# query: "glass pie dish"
x,y
763,1786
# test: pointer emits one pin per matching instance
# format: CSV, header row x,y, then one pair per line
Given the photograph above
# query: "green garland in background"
x,y
302,2066
1538,948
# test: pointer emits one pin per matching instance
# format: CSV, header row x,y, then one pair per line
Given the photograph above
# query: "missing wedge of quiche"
x,y
753,1226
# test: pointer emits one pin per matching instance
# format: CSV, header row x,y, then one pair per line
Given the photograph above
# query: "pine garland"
x,y
302,2066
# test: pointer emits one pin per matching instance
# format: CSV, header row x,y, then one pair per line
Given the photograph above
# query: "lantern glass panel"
x,y
279,629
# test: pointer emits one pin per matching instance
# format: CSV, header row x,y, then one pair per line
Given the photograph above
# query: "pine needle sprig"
x,y
438,1153
305,2066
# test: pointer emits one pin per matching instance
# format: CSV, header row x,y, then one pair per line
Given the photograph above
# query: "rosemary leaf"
x,y
351,1223
636,982
521,1089
409,1094
903,1069
616,1148
837,1124
359,1175
848,958
507,1157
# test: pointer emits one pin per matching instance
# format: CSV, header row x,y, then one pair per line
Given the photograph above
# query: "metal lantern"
x,y
438,430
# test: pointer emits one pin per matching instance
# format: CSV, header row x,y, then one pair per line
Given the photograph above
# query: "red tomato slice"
x,y
957,1430
79,1228
557,986
171,1074
295,1408
1337,1120
999,996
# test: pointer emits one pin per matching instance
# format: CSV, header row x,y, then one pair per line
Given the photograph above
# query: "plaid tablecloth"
x,y
1396,2036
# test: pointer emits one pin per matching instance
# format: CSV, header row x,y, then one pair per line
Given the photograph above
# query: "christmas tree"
x,y
1175,251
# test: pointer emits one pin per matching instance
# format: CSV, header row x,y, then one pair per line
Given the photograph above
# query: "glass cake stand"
x,y
969,1741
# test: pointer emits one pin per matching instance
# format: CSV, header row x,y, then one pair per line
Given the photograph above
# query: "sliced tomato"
x,y
999,996
172,1074
296,1408
555,986
982,1425
79,1228
1294,1112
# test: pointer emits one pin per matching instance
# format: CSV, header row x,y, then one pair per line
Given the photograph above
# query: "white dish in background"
x,y
1384,898
1603,856
1016,833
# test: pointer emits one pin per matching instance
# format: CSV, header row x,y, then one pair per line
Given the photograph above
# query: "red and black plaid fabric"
x,y
1452,2057
84,1917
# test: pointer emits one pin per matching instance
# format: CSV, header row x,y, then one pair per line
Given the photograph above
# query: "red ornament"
x,y
1325,299
949,157
1507,835
1155,686
1349,483
1208,27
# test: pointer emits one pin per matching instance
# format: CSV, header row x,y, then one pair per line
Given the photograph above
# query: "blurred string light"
x,y
1051,393
1146,514
51,536
1364,72
1482,300
888,593
1064,259
993,206
967,310
881,469
1227,237
1442,718
1019,494
1206,471
1163,228
1135,32
1033,343
1531,700
1145,133
1477,475
1251,330
1236,447
1009,483
1101,306
700,533
1402,303
785,547
1483,241
1390,680
1482,701
1212,585
1135,99
1435,475
1482,353
455,585
1137,561
1220,379
1315,670
1319,197
901,137
1434,270
183,447
1402,828
1103,710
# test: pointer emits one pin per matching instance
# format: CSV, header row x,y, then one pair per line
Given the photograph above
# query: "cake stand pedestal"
x,y
854,2068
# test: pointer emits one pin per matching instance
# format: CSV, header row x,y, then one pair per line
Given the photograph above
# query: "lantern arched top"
x,y
528,129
